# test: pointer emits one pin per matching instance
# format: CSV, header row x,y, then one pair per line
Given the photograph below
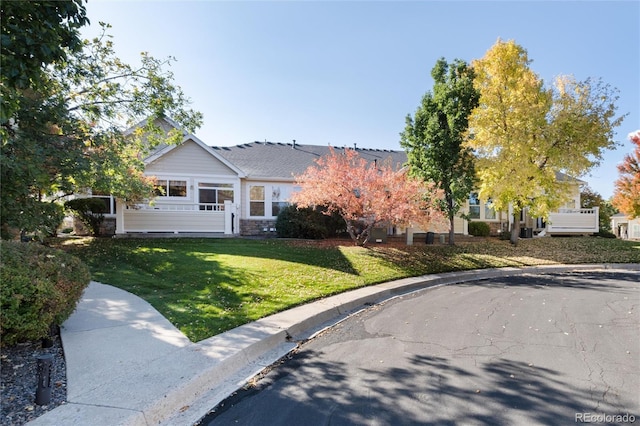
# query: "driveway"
x,y
533,349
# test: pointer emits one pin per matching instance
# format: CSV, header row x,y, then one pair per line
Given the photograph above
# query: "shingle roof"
x,y
563,177
286,160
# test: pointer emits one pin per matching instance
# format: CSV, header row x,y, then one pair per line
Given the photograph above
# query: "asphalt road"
x,y
534,349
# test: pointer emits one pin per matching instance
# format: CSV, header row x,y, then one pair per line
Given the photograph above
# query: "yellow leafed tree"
x,y
523,134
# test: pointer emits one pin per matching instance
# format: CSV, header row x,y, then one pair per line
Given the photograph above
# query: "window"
x,y
489,212
256,201
474,206
170,188
211,196
268,200
278,202
108,200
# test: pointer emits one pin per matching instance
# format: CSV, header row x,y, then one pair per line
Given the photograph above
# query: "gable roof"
x,y
281,161
277,160
563,177
166,124
162,150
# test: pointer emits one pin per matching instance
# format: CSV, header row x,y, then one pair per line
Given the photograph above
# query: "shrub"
x,y
37,223
605,234
504,235
479,229
308,223
90,211
40,288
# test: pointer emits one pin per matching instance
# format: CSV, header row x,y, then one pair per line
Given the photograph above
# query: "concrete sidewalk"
x,y
128,365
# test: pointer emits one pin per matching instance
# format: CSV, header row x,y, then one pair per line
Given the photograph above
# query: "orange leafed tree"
x,y
627,192
367,194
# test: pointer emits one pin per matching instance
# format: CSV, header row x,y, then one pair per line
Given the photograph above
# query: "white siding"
x,y
458,225
188,158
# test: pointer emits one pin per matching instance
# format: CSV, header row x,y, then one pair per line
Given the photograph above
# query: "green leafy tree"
x,y
90,211
434,137
523,133
590,198
68,131
35,34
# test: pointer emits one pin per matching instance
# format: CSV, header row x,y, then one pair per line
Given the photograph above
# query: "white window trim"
x,y
112,204
188,194
482,206
226,181
268,197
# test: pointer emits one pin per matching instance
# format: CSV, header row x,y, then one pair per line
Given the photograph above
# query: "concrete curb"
x,y
181,386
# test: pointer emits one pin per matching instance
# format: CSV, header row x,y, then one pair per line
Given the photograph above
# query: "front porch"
x,y
173,218
573,221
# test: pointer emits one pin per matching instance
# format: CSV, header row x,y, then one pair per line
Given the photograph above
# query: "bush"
x,y
90,212
40,221
41,287
604,234
479,229
308,223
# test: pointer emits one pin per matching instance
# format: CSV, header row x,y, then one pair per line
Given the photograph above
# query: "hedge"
x,y
308,223
479,229
41,287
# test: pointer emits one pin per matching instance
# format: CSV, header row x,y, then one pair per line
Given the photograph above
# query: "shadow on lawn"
x,y
187,282
491,253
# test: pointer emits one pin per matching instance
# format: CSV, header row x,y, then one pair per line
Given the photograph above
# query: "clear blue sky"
x,y
339,73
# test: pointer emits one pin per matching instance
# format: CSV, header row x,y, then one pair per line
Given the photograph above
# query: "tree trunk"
x,y
359,237
451,218
364,236
515,228
451,231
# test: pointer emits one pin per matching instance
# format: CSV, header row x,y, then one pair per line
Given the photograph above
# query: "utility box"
x,y
379,235
526,232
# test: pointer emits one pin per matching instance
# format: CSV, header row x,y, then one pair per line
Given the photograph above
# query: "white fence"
x,y
574,221
175,218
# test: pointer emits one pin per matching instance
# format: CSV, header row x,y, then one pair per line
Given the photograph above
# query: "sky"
x,y
349,72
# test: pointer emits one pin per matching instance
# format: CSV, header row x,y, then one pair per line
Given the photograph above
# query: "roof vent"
x,y
294,144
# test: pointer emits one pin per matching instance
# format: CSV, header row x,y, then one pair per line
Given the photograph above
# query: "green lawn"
x,y
207,286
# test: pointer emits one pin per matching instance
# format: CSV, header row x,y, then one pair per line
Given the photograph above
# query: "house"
x,y
239,190
570,219
625,228
235,190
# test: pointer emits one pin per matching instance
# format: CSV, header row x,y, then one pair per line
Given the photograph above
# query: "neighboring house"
x,y
235,190
625,228
269,171
570,219
197,190
239,190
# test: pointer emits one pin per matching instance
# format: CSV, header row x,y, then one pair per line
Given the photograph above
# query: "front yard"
x,y
208,286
